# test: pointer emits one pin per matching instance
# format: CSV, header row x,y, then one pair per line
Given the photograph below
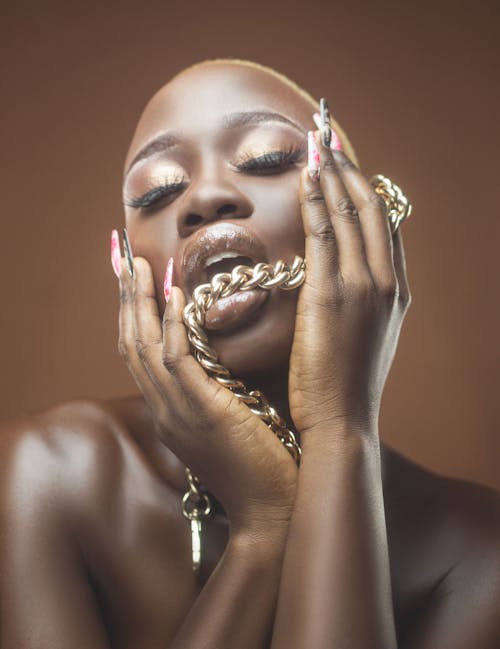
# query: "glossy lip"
x,y
215,239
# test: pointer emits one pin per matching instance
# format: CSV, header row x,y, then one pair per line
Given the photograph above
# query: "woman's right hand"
x,y
234,454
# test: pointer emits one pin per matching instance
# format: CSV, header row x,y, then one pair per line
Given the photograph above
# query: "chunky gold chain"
x,y
196,503
397,205
242,278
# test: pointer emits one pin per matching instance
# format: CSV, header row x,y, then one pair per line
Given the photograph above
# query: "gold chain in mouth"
x,y
196,502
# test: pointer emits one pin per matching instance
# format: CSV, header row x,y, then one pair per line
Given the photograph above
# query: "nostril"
x,y
226,209
193,219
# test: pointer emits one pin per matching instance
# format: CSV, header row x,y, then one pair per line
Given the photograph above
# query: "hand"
x,y
353,301
235,455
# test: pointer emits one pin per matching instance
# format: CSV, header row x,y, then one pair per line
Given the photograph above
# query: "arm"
x,y
335,589
236,458
236,606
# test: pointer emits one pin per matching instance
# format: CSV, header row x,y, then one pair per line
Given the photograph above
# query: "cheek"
x,y
154,239
280,219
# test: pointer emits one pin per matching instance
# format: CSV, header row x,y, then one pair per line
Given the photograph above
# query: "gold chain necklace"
x,y
196,503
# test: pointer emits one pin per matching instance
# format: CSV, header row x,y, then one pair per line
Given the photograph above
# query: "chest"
x,y
140,560
141,567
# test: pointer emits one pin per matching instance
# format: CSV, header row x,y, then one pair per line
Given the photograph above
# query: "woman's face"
x,y
212,179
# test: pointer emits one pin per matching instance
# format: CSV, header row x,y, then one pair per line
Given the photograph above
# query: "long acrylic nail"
x,y
326,130
313,160
335,144
167,284
129,257
116,258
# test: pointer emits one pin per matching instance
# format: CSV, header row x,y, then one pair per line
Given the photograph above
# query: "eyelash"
x,y
274,160
155,194
271,160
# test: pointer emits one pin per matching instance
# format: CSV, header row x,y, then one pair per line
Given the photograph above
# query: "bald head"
x,y
220,83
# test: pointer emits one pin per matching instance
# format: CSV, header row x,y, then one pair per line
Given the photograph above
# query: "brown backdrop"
x,y
415,85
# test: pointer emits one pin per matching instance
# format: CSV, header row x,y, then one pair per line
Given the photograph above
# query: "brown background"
x,y
415,85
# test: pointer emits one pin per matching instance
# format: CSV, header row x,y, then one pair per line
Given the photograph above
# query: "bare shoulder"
x,y
471,521
52,471
65,445
467,514
444,535
93,463
89,522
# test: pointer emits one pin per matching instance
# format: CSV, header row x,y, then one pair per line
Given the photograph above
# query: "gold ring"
x,y
397,205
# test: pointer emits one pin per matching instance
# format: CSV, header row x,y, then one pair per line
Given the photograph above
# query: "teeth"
x,y
227,254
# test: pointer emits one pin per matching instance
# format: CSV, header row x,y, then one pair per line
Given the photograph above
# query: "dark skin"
x,y
359,547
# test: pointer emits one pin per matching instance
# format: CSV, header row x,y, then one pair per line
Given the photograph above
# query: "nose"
x,y
211,199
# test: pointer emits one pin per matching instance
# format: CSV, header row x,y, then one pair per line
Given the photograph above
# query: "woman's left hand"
x,y
352,303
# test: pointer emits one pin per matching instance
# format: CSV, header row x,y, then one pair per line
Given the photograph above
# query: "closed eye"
x,y
271,162
155,195
268,163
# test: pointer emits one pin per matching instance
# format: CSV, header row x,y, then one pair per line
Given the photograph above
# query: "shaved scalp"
x,y
346,143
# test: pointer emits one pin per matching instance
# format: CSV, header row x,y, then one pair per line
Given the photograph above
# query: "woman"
x,y
355,547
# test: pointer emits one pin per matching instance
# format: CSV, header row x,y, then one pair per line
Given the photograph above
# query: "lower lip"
x,y
229,312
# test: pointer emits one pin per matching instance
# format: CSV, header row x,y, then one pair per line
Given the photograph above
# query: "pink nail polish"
x,y
313,161
336,144
116,258
167,284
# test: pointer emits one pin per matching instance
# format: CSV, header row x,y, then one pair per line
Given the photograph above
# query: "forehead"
x,y
196,100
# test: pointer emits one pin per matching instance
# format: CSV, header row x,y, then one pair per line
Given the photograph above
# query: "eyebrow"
x,y
168,140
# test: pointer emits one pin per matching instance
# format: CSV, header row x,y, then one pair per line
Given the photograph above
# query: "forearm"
x,y
335,587
236,606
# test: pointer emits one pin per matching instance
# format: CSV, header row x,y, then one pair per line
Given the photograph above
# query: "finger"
x,y
344,216
374,223
320,245
400,267
148,336
211,410
177,357
127,344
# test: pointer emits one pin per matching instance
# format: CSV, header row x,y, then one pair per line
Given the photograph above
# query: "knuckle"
x,y
376,201
125,295
360,288
170,363
143,350
324,233
346,209
329,164
346,164
314,196
388,288
175,365
123,348
405,299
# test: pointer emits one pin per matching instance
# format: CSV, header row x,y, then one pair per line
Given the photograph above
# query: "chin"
x,y
262,344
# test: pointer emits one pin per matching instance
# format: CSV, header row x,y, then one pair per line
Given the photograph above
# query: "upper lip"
x,y
213,240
